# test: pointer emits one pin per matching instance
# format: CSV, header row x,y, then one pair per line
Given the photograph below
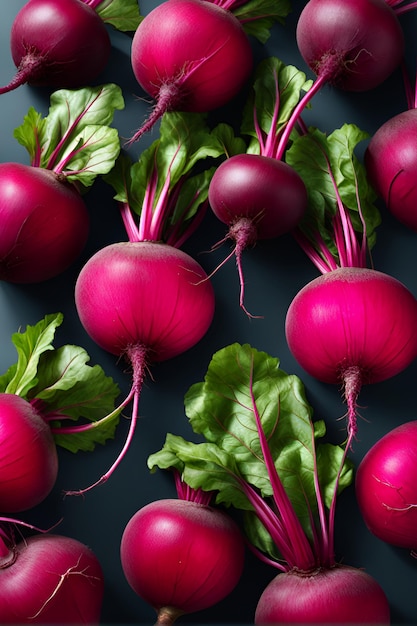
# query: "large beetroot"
x,y
262,453
59,43
336,595
386,489
49,579
147,300
189,55
181,555
45,222
28,459
355,45
353,325
391,164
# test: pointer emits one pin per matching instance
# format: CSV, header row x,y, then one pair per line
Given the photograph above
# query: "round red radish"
x,y
58,43
356,45
28,455
181,556
391,165
44,223
50,579
190,55
386,488
338,595
144,293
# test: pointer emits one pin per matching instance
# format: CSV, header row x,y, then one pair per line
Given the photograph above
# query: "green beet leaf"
x,y
258,16
76,399
124,15
166,190
75,139
260,447
276,91
333,173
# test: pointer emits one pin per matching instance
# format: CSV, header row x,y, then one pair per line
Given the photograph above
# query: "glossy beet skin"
x,y
195,49
386,488
144,294
391,166
59,43
45,224
355,44
28,455
50,579
338,595
181,556
353,317
267,191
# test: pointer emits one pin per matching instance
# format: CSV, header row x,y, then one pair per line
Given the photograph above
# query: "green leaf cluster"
x,y
276,91
258,16
176,169
75,138
239,382
61,384
124,15
325,161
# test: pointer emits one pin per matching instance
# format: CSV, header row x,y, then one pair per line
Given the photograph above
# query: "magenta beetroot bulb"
x,y
391,164
336,595
189,55
257,197
357,45
57,43
49,579
45,223
145,302
386,489
181,556
28,455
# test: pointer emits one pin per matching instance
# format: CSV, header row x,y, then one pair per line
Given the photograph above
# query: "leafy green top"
x,y
75,138
258,16
339,228
124,15
261,456
276,91
168,186
62,387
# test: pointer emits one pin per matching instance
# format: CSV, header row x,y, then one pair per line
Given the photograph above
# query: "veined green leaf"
x,y
240,386
324,161
103,147
202,465
75,138
258,16
124,15
30,346
172,175
276,91
63,387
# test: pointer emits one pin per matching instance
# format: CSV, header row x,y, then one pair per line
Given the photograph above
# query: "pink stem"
x,y
400,10
129,222
28,69
137,356
185,492
315,88
304,557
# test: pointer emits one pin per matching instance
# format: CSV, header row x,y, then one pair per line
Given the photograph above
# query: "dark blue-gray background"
x,y
274,271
